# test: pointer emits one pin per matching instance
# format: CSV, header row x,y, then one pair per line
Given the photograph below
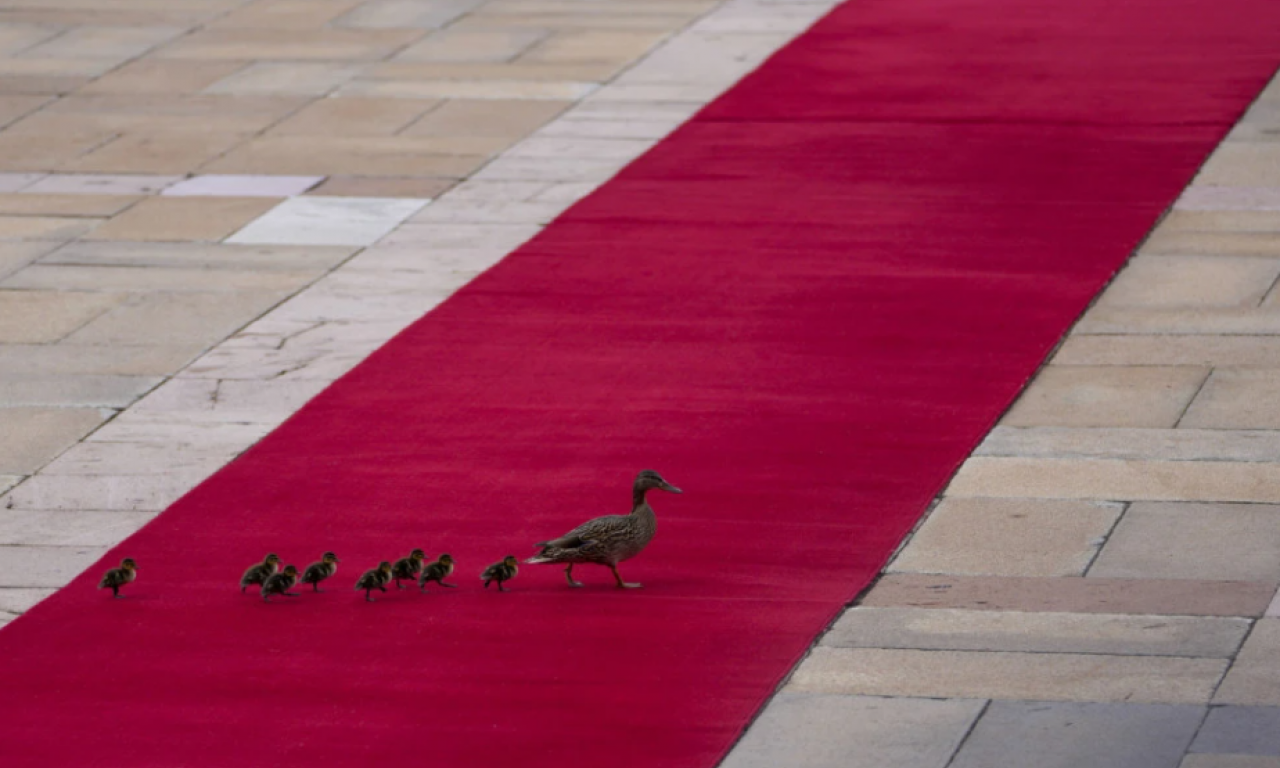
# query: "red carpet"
x,y
804,308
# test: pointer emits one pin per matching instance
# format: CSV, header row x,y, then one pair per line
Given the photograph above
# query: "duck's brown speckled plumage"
x,y
610,539
408,568
116,578
374,579
319,571
437,572
258,574
281,583
503,570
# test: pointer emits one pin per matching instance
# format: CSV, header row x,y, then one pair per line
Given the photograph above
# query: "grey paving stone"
x,y
17,600
1229,761
824,731
31,437
962,630
1166,540
1240,730
184,319
1254,678
44,566
1016,734
61,391
1159,444
117,359
24,527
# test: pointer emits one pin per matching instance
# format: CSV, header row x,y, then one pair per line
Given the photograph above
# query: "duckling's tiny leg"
x,y
500,588
368,596
568,574
622,584
315,585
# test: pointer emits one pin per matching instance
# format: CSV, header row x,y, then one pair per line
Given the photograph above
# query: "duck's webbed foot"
x,y
623,584
568,574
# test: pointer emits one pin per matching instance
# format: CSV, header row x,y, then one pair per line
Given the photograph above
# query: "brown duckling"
x,y
437,572
610,539
280,583
408,568
319,571
374,579
116,578
503,570
257,574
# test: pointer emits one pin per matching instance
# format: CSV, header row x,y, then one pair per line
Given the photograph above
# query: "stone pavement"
x,y
210,209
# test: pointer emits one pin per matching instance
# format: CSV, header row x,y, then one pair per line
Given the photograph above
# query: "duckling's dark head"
x,y
446,558
128,564
510,560
417,554
329,557
649,479
290,570
385,565
272,559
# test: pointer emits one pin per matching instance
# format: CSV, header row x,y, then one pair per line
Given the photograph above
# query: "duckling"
x,y
116,578
503,570
257,574
437,572
280,583
408,568
319,571
610,539
374,579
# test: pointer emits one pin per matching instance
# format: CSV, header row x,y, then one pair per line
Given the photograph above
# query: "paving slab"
x,y
1163,597
1070,735
1043,632
1229,761
65,205
16,255
189,320
1008,537
1237,398
473,45
1240,730
28,566
823,731
1183,220
1251,164
184,219
64,359
1002,675
354,117
133,493
43,316
1254,678
92,391
31,437
99,184
1194,541
1211,197
211,256
24,528
1189,281
1119,396
1170,350
489,117
1125,443
231,185
18,600
74,277
329,221
421,187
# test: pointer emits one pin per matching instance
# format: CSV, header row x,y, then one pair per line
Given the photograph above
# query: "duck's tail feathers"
x,y
539,559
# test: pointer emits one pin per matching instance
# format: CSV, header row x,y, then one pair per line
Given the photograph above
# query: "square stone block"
x,y
24,567
1240,730
821,731
473,45
329,221
1243,164
354,117
1015,734
40,317
231,185
31,437
1237,398
99,184
1229,761
1008,537
184,218
1254,678
1194,541
296,78
1192,281
474,117
1205,197
1106,396
25,528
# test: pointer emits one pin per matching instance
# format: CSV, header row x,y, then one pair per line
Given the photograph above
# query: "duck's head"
x,y
510,561
446,559
649,479
128,564
272,559
417,554
290,570
329,558
385,566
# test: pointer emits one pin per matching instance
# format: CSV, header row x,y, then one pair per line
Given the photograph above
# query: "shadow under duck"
x,y
610,539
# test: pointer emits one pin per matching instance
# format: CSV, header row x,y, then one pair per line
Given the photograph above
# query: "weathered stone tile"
x,y
19,600
548,169
184,218
353,117
1213,351
285,14
396,14
1180,281
993,675
230,185
234,400
1069,594
64,359
31,437
464,237
102,42
178,431
73,391
1212,244
693,93
1229,761
1008,537
16,38
45,566
1253,164
68,529
58,67
49,150
100,457
464,211
1254,678
716,57
99,184
621,151
529,71
329,221
13,107
181,319
1070,735
594,45
962,630
302,78
1120,396
547,90
820,731
16,255
213,256
120,492
13,182
93,278
1205,197
1242,730
1150,444
290,44
155,76
1180,220
1194,541
155,153
44,227
64,205
1118,479
502,117
358,155
589,127
383,186
1237,398
144,113
1210,320
39,317
319,351
473,45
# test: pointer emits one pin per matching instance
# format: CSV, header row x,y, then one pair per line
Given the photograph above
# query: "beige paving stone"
x,y
185,319
1178,281
354,117
31,437
290,44
13,107
470,117
1219,221
168,153
1124,480
29,528
16,38
156,76
117,492
39,317
184,218
65,205
1229,761
544,90
1186,597
358,155
45,227
125,458
16,255
1041,632
285,14
57,67
45,566
999,675
473,45
49,149
65,359
201,255
1150,444
1207,321
119,43
594,46
18,600
383,186
1194,541
89,278
302,78
17,390
217,113
1008,537
586,72
575,20
1210,244
392,14
41,85
1141,349
1254,678
1251,164
1237,398
1087,396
